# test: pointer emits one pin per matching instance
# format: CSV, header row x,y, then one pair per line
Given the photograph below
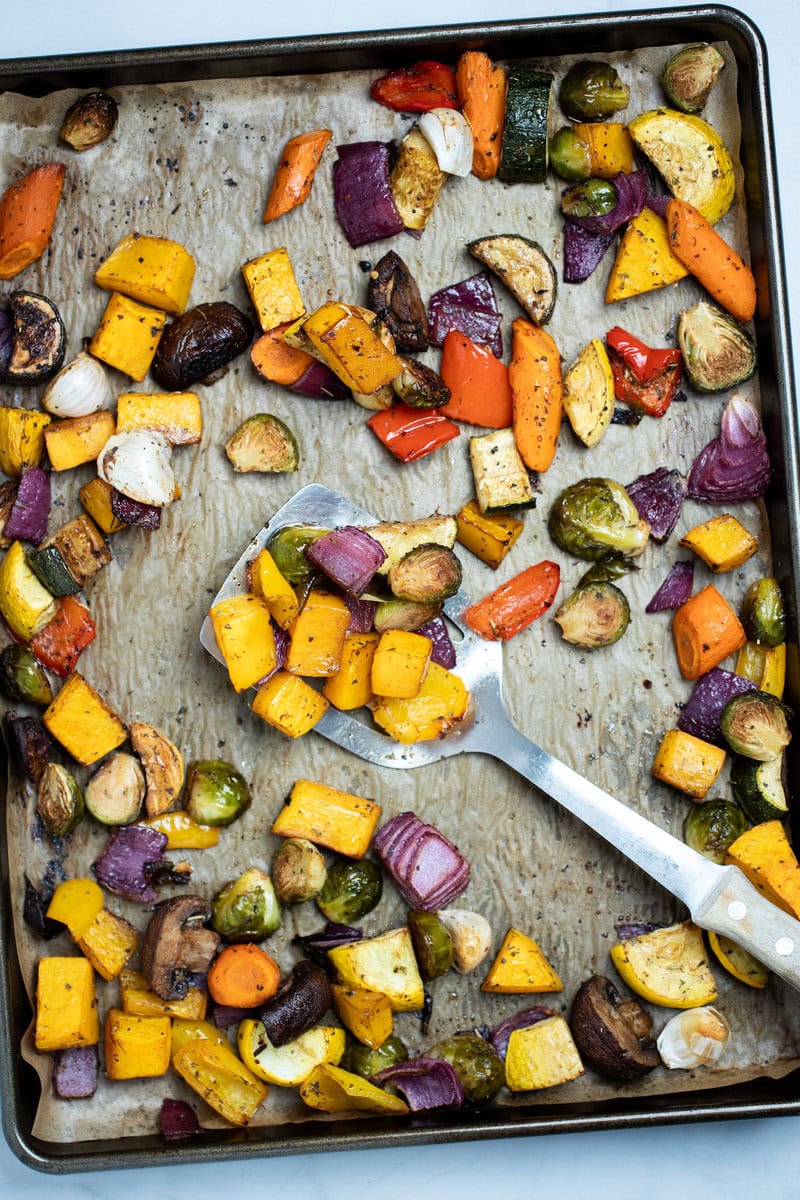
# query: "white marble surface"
x,y
735,1159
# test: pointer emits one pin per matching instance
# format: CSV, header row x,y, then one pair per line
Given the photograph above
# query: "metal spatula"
x,y
718,898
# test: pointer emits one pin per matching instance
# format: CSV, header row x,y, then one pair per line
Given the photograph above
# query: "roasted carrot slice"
x,y
295,173
714,264
27,214
514,605
243,976
706,630
277,361
536,389
482,92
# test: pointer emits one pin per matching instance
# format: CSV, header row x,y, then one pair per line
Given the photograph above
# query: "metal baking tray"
x,y
382,50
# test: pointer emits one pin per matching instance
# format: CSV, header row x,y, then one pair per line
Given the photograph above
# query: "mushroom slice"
x,y
175,943
612,1034
163,767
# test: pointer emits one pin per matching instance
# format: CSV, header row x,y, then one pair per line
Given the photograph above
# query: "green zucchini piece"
x,y
526,130
501,479
263,443
49,567
763,613
758,788
524,268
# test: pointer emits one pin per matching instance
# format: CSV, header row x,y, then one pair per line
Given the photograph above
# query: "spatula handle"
x,y
754,923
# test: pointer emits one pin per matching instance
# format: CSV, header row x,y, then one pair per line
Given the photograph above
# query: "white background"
x,y
731,1159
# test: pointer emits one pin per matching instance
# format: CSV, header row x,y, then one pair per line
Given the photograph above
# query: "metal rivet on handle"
x,y
737,911
784,946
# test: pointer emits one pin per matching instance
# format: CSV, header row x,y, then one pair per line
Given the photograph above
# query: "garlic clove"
x,y
138,465
450,136
79,389
471,934
695,1038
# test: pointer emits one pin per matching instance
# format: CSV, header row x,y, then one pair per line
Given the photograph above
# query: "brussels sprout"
x,y
755,724
758,788
596,614
570,156
419,386
351,890
115,793
428,574
763,613
712,826
365,1062
288,549
612,567
592,198
595,517
475,1061
246,909
298,871
403,614
59,801
21,677
433,943
592,91
263,443
690,75
215,792
718,352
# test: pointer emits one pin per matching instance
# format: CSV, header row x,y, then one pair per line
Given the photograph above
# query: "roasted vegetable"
x,y
529,96
298,871
332,1090
273,289
688,763
21,677
351,890
66,1004
693,1039
49,566
301,1002
476,1063
450,137
690,155
714,263
427,574
138,465
570,156
59,800
520,966
80,388
82,722
756,725
295,173
419,386
590,198
514,605
416,180
365,1061
758,788
596,614
40,340
128,335
471,935
216,793
644,260
393,295
27,216
722,542
243,976
246,909
705,630
115,793
667,966
763,613
524,268
89,120
541,1055
151,270
163,767
490,536
592,91
213,1071
594,517
588,395
176,944
328,817
768,861
612,1033
263,443
31,745
738,962
200,344
433,943
501,479
383,964
288,548
710,827
718,353
75,1073
690,75
399,664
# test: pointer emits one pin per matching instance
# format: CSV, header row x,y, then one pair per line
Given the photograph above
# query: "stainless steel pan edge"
x,y
380,49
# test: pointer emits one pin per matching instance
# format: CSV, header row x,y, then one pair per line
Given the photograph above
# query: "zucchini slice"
x,y
589,393
524,268
529,100
758,788
48,564
690,155
501,480
39,340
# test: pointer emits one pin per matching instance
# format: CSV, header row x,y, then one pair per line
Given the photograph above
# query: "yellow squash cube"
x,y
267,581
273,289
76,903
78,440
351,686
723,543
520,967
542,1056
245,638
768,861
108,943
138,1000
82,722
153,270
289,704
95,497
66,1005
400,663
490,536
440,703
385,964
136,1047
327,817
317,636
21,439
176,415
128,335
688,763
352,350
25,604
367,1014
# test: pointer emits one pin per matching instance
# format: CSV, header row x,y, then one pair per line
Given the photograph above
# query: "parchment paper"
x,y
193,162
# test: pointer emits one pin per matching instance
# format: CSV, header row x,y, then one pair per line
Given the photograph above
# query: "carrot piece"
x,y
510,608
537,390
295,172
482,92
706,630
276,360
714,264
27,215
478,383
243,976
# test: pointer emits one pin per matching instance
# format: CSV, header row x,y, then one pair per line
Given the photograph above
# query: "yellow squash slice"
x,y
668,967
690,155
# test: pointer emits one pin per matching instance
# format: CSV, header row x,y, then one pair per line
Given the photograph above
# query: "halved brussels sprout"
x,y
612,567
298,871
263,443
592,91
475,1061
215,793
712,826
763,613
592,198
115,793
363,1061
246,909
570,156
288,549
595,517
756,725
419,386
352,889
690,75
59,801
758,788
21,677
403,614
428,574
433,943
718,352
596,614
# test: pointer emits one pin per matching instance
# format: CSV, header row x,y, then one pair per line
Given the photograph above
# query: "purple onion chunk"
x,y
75,1072
282,639
657,197
424,1083
122,868
659,499
626,930
735,465
428,869
348,556
631,196
318,382
332,935
178,1121
362,194
362,613
133,512
443,651
468,307
583,251
675,590
501,1032
225,1016
27,518
703,711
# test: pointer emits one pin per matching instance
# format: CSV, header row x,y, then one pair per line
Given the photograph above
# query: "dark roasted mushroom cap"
x,y
176,943
393,295
199,344
300,1004
612,1034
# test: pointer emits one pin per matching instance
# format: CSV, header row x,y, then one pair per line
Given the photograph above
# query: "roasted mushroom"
x,y
301,1002
393,295
177,943
163,767
89,121
612,1034
198,346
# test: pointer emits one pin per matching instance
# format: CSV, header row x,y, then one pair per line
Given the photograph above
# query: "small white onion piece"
x,y
695,1038
138,465
471,934
450,138
79,389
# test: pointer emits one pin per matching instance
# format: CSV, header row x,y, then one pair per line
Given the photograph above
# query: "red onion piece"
x,y
328,938
659,499
735,465
362,613
178,1121
631,194
318,382
501,1032
348,556
443,652
31,508
121,868
133,512
658,204
702,713
428,869
75,1072
225,1016
362,195
631,929
6,340
675,590
583,251
424,1083
469,307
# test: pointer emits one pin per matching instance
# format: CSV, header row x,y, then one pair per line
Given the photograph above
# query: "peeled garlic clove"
x,y
471,934
79,389
138,465
450,137
695,1038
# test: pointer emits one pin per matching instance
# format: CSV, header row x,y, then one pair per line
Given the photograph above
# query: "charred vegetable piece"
x,y
433,943
763,613
393,295
417,88
176,944
200,344
263,443
595,517
351,890
596,614
426,575
366,1062
298,871
710,827
59,801
756,725
21,677
40,340
476,1063
301,1003
718,352
612,1034
419,386
590,198
115,793
758,788
216,793
89,121
246,909
529,95
31,744
592,91
288,549
524,268
34,910
690,75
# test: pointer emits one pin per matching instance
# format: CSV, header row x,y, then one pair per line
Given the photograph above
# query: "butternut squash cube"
x,y
723,543
490,536
520,967
367,1014
317,636
26,606
21,439
440,703
128,335
327,817
383,964
95,497
245,638
351,686
78,440
768,861
611,148
333,1090
108,943
136,1047
400,663
153,270
644,259
267,581
66,1005
688,763
76,903
82,722
178,416
542,1056
352,350
289,704
139,1001
273,289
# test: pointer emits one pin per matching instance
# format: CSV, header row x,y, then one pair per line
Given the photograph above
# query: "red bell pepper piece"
x,y
411,433
479,389
653,397
514,605
419,88
644,361
58,646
